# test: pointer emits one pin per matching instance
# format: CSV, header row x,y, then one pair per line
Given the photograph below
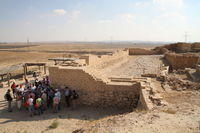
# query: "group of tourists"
x,y
39,96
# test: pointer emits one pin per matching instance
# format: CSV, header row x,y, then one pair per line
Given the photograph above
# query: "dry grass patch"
x,y
54,124
169,111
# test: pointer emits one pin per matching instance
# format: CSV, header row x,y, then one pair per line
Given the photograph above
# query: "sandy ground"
x,y
11,58
68,46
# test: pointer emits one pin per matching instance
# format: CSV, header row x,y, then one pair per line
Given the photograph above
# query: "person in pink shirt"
x,y
55,104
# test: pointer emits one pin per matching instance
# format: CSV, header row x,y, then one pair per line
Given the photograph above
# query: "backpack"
x,y
75,96
7,97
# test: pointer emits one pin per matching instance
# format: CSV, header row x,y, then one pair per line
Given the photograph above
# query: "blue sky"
x,y
98,20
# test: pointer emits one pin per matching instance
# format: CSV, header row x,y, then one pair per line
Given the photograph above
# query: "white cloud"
x,y
75,14
169,11
127,17
28,23
59,12
174,3
142,4
176,17
104,21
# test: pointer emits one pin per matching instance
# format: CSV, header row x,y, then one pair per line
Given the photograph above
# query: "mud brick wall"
x,y
181,61
92,92
107,59
198,69
138,51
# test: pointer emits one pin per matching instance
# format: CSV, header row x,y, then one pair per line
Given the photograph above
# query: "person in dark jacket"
x,y
74,97
9,98
67,96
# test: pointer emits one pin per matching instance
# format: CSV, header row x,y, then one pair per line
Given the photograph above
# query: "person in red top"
x,y
13,88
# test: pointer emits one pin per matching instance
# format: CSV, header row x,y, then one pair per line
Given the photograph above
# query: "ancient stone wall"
x,y
182,47
196,47
95,92
156,51
181,61
198,69
103,61
138,51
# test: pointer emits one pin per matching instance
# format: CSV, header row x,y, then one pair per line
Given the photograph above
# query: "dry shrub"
x,y
78,131
169,111
54,124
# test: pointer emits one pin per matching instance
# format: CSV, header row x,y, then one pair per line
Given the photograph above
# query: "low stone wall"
x,y
198,70
181,61
138,51
92,92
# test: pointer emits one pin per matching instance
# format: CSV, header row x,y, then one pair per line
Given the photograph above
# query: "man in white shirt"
x,y
31,107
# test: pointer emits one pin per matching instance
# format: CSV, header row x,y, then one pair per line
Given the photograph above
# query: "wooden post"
x,y
24,71
45,69
8,79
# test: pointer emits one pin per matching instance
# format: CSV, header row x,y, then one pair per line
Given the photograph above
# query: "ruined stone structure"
x,y
95,92
198,70
181,61
156,51
198,67
139,51
176,47
102,59
182,47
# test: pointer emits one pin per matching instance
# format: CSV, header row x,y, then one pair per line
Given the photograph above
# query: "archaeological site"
x,y
99,66
135,85
130,78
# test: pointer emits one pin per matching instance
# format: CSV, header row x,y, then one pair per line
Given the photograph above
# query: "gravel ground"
x,y
135,66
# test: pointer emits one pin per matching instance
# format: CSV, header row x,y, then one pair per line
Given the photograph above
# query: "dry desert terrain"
x,y
180,115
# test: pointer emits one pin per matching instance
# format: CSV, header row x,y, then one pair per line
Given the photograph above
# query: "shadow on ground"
x,y
81,113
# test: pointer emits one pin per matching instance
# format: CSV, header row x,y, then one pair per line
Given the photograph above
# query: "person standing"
x,y
67,96
44,99
9,98
58,94
13,87
74,97
19,100
39,105
55,104
31,107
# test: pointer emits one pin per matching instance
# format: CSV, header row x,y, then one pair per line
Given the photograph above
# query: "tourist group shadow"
x,y
80,112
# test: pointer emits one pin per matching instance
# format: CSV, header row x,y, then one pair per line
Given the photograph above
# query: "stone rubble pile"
x,y
176,83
